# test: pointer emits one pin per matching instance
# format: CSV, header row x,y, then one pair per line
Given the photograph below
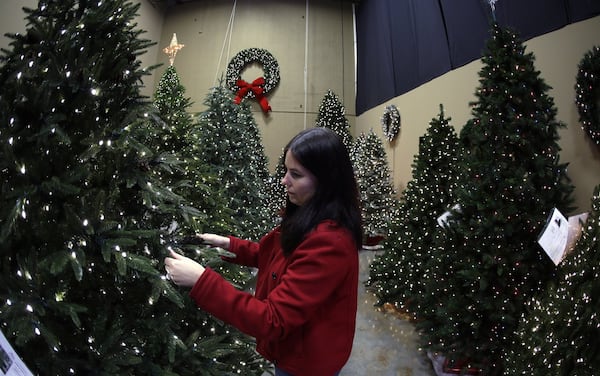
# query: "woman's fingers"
x,y
182,270
169,260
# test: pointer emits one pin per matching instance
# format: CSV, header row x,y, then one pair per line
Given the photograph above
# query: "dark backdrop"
x,y
402,44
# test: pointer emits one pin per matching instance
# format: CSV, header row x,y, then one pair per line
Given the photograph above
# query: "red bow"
x,y
257,89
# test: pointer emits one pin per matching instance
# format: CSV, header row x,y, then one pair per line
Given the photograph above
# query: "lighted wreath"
x,y
390,122
587,90
260,86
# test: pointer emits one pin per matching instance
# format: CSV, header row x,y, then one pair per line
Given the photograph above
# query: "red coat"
x,y
303,313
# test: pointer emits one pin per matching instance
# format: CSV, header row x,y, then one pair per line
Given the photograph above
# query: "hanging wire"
x,y
306,64
226,41
354,45
492,4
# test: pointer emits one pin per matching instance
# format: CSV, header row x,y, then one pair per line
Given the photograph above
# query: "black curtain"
x,y
402,44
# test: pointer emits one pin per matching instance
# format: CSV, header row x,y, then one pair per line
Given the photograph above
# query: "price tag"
x,y
553,238
10,363
560,234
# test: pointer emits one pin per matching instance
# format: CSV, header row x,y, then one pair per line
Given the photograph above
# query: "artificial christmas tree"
x,y
176,138
377,194
510,179
82,288
231,146
558,331
587,87
395,275
332,115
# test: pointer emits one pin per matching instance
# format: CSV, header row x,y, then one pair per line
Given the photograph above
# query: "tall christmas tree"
x,y
510,179
82,289
396,275
231,145
558,332
175,139
332,115
377,194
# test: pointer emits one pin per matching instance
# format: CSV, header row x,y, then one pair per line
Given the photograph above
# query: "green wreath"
x,y
249,56
390,122
587,90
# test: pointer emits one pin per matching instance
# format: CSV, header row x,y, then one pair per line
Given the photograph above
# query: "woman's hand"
x,y
183,271
215,240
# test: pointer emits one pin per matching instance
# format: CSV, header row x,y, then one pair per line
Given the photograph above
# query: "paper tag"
x,y
553,238
10,363
442,220
559,235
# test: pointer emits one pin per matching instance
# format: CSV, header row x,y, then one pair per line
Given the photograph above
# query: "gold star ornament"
x,y
172,49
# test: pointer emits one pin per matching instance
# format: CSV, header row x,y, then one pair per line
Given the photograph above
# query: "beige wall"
x,y
557,57
150,20
279,27
11,18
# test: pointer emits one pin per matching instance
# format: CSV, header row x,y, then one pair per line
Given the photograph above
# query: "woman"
x,y
303,312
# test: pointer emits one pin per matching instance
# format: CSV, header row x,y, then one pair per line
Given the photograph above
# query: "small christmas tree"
x,y
396,275
558,332
377,193
231,145
510,179
82,288
332,115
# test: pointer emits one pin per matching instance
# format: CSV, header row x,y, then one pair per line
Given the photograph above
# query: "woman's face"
x,y
299,183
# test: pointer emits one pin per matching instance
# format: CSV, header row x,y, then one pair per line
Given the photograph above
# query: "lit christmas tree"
x,y
82,289
232,147
332,115
395,276
176,139
377,194
510,179
558,332
586,93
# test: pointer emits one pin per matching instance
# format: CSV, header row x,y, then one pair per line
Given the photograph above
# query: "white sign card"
x,y
442,220
10,363
554,236
560,234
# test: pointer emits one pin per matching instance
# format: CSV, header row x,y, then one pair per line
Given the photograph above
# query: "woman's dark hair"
x,y
322,152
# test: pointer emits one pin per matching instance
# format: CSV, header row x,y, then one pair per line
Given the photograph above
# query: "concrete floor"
x,y
384,344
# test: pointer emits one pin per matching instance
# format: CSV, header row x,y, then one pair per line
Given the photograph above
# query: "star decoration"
x,y
172,49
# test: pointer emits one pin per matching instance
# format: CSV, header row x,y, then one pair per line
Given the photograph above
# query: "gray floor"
x,y
384,344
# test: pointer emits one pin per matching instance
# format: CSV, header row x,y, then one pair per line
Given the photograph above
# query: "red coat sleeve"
x,y
246,252
315,270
